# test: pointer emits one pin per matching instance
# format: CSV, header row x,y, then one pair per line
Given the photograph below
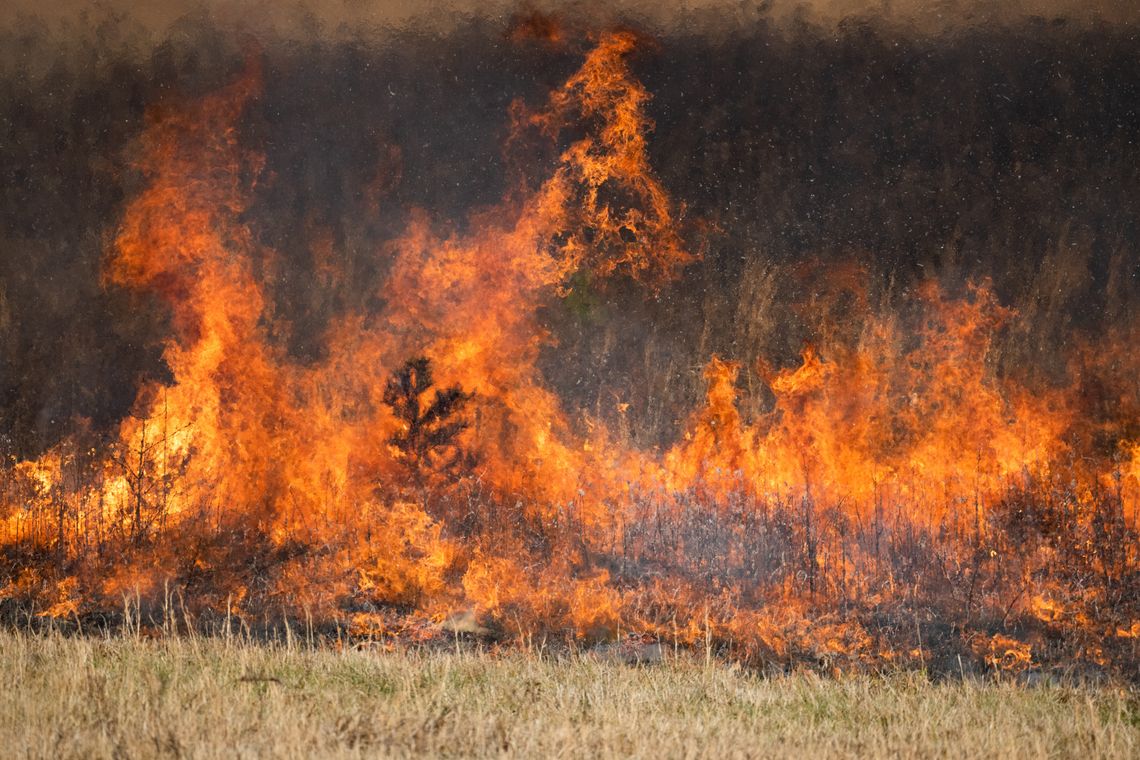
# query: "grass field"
x,y
205,698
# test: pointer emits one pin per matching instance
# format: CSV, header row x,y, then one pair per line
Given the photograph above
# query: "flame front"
x,y
897,476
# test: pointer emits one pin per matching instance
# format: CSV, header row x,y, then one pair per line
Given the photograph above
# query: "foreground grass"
x,y
204,698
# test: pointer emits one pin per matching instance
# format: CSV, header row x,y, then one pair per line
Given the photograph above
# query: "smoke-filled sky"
x,y
299,18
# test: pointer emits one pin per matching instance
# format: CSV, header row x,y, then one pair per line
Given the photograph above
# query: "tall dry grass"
x,y
125,697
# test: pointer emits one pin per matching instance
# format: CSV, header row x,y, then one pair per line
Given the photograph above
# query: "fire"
x,y
425,464
927,422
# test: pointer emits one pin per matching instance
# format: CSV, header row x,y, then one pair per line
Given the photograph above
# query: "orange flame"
x,y
252,480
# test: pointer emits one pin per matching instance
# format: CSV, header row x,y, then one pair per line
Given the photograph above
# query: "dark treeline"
x,y
1008,153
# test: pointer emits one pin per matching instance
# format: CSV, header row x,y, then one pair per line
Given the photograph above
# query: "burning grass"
x,y
898,497
216,697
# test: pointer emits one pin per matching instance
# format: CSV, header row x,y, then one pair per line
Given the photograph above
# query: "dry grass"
x,y
206,698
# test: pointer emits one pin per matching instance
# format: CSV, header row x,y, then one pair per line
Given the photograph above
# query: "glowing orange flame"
x,y
252,480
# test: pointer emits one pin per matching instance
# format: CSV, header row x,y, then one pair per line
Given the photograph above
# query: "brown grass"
x,y
206,698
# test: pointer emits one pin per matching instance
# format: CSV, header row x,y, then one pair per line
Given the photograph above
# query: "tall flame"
x,y
891,467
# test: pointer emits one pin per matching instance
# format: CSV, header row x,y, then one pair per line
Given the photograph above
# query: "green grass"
x,y
205,698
